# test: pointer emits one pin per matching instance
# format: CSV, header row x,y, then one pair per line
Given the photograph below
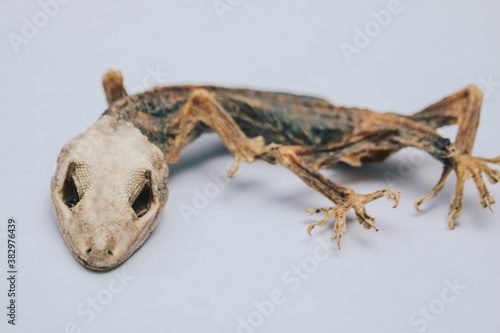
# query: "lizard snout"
x,y
101,252
99,257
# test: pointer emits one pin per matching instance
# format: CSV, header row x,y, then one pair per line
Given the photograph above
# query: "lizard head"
x,y
108,191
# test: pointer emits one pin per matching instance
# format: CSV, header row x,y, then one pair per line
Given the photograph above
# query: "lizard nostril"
x,y
110,253
89,250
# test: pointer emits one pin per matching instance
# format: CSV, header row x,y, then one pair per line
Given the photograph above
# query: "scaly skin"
x,y
110,184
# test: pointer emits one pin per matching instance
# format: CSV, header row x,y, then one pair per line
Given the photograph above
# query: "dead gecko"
x,y
110,184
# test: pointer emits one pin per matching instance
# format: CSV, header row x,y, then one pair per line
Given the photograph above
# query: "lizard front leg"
x,y
344,198
202,107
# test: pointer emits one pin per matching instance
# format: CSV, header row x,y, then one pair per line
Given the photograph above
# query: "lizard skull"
x,y
108,191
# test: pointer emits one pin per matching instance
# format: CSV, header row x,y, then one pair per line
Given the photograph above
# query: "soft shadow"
x,y
196,156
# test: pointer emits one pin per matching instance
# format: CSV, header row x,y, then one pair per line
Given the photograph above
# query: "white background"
x,y
203,274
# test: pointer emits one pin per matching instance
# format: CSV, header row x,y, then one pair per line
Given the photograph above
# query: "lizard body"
x,y
280,118
110,185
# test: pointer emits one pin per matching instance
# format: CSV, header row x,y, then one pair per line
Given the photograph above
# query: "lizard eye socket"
x,y
69,192
142,203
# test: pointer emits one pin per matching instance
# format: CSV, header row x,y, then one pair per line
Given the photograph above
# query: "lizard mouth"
x,y
87,265
95,267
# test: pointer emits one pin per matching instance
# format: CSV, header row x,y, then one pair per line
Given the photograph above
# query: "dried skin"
x,y
302,133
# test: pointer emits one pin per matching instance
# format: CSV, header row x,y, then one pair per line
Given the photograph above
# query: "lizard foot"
x,y
466,167
354,201
248,151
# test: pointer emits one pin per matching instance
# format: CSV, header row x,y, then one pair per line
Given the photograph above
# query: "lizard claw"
x,y
472,167
364,219
466,167
330,212
357,203
231,172
337,237
248,151
338,212
436,189
394,196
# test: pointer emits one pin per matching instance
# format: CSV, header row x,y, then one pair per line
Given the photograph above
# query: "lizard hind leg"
x,y
462,108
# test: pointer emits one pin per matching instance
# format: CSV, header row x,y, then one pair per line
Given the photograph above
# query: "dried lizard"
x,y
110,184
